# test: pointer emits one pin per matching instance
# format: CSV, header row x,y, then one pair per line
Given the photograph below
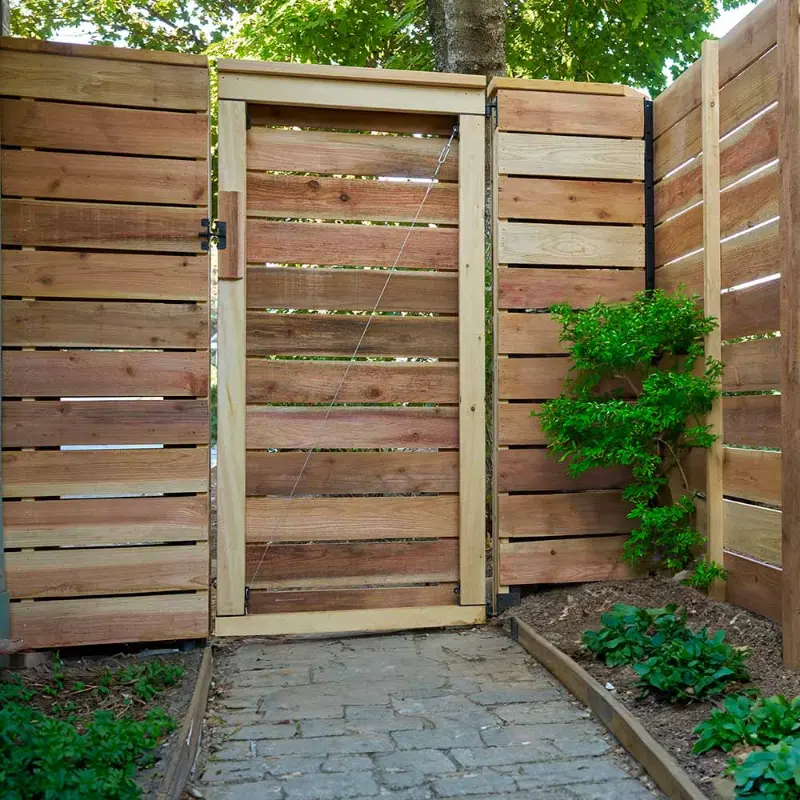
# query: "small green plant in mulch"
x,y
772,773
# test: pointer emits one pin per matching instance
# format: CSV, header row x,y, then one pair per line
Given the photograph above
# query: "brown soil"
x,y
562,614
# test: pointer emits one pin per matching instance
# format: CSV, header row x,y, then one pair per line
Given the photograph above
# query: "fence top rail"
x,y
570,87
365,74
102,52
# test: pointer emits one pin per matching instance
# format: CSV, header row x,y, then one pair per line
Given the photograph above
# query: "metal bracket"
x,y
491,110
218,230
510,600
649,201
246,599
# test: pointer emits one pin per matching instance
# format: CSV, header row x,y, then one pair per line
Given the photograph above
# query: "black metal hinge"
x,y
491,110
217,230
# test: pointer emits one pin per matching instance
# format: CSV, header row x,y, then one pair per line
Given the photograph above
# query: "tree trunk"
x,y
469,36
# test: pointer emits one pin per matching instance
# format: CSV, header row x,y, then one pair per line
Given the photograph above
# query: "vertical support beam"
x,y
231,389
472,359
649,200
5,605
711,295
789,153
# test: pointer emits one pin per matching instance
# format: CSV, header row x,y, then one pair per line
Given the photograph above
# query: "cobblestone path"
x,y
411,716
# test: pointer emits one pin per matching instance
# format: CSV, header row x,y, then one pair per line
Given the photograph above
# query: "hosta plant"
x,y
772,773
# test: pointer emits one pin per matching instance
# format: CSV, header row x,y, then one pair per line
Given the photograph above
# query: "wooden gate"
x,y
351,350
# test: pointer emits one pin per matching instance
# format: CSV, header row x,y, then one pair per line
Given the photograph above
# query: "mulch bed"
x,y
562,614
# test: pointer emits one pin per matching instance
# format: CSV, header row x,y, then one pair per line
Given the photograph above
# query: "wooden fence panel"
x,y
105,343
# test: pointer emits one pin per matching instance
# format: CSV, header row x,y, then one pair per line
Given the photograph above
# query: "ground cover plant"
x,y
770,773
637,396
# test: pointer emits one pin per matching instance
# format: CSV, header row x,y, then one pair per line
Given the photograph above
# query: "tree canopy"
x,y
626,41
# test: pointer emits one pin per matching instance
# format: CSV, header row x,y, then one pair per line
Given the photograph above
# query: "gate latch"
x,y
216,229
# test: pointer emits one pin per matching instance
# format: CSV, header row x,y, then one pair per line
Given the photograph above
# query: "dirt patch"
x,y
562,614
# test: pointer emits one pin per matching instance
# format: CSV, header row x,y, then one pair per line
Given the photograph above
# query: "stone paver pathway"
x,y
407,716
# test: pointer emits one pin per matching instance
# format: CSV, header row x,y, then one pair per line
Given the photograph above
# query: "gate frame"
x,y
354,89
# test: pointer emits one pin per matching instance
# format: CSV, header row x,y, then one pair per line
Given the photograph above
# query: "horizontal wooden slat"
x,y
754,586
677,146
50,323
747,474
299,427
50,273
351,289
350,382
570,200
531,378
265,602
94,226
64,623
105,82
753,531
46,423
752,420
756,33
352,245
351,473
79,373
349,119
742,206
106,571
529,334
340,518
541,288
559,112
301,197
110,521
517,425
47,473
752,365
750,311
524,470
321,334
566,157
595,558
546,515
361,563
125,131
677,100
348,154
78,176
570,245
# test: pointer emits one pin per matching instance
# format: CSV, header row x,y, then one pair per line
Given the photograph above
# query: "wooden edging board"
x,y
659,764
183,755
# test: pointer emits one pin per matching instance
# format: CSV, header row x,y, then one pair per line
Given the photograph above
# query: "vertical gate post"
x,y
789,153
711,296
231,391
471,350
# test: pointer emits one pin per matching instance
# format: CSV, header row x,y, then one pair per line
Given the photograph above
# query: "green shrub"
x,y
745,720
771,773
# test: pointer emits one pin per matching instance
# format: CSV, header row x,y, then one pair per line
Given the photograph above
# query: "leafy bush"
x,y
770,773
744,720
652,347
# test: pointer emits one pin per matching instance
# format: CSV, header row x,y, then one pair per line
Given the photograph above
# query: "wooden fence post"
x,y
231,389
789,153
711,296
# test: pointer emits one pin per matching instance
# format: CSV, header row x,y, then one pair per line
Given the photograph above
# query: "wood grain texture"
x,y
531,378
107,571
571,245
595,558
348,154
752,420
121,179
355,427
47,423
516,424
677,100
94,226
50,323
755,586
357,382
536,470
61,623
77,373
557,515
351,245
753,310
110,521
352,564
231,262
300,196
753,531
529,334
557,157
351,473
752,365
570,200
748,40
47,473
320,334
524,288
43,76
106,276
124,131
747,474
320,519
351,290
